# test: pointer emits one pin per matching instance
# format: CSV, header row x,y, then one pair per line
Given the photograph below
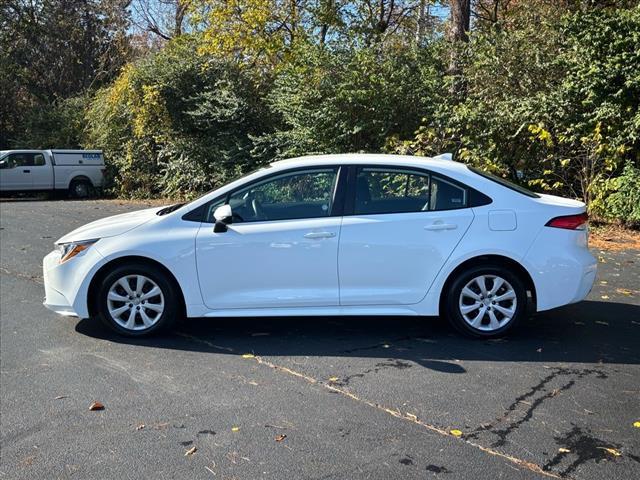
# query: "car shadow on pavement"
x,y
587,332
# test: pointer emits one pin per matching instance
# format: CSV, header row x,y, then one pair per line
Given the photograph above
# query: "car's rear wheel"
x,y
137,300
80,188
486,301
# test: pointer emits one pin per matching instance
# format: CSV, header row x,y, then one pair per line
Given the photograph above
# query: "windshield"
x,y
505,183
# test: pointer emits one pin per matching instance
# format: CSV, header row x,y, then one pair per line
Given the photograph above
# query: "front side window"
x,y
21,160
294,195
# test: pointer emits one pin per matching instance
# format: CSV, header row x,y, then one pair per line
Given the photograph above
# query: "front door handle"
x,y
319,235
441,226
26,171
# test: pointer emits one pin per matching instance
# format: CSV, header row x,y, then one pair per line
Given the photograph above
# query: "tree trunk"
x,y
460,20
458,33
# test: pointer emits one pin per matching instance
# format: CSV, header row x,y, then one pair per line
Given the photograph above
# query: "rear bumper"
x,y
561,266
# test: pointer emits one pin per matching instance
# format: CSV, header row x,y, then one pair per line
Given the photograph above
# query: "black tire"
x,y
170,297
452,301
80,189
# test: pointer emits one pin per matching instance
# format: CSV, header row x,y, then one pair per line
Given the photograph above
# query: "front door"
x,y
15,172
281,249
403,227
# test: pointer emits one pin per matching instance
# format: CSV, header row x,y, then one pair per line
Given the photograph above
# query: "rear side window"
x,y
38,160
381,190
505,183
391,191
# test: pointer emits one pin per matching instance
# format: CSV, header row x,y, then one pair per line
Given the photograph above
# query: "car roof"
x,y
439,163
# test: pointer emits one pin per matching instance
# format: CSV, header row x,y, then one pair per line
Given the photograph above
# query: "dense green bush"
x,y
618,198
351,100
177,123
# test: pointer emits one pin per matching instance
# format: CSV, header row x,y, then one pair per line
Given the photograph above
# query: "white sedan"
x,y
332,235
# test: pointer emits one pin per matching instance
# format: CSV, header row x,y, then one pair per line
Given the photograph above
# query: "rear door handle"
x,y
26,171
441,226
319,235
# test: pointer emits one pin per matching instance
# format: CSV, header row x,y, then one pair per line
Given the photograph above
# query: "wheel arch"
x,y
102,272
79,178
492,259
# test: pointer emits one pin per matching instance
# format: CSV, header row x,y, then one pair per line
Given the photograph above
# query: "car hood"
x,y
110,226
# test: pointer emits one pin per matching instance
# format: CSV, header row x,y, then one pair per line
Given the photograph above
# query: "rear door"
x,y
41,173
399,228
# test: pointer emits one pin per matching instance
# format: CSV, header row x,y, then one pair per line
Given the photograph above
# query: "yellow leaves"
x,y
248,355
190,452
235,429
636,424
241,29
564,450
333,379
604,297
456,433
612,451
540,133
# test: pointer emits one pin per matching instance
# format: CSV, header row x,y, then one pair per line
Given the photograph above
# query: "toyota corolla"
x,y
332,235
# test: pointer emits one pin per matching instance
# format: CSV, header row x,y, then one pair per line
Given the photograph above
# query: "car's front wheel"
x,y
486,301
137,300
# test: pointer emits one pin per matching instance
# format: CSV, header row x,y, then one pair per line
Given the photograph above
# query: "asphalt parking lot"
x,y
330,398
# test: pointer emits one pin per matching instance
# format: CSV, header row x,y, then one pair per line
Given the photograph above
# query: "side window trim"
x,y
354,170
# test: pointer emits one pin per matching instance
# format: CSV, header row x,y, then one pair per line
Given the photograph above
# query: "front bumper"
x,y
66,284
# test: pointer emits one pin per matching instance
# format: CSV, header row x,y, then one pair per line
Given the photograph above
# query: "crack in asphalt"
x,y
533,467
541,386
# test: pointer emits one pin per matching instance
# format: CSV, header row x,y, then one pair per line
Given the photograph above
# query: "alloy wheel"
x,y
487,303
135,302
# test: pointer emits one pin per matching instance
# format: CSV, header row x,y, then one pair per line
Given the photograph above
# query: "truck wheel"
x,y
80,189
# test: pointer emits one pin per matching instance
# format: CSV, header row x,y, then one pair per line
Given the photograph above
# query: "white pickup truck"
x,y
78,172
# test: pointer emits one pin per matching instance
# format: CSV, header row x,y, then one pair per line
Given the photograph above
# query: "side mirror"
x,y
223,217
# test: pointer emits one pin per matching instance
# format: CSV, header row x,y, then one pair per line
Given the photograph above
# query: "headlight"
x,y
71,249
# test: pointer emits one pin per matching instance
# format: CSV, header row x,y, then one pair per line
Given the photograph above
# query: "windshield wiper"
x,y
169,209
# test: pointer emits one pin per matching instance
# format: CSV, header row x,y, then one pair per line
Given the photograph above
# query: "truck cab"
x,y
78,172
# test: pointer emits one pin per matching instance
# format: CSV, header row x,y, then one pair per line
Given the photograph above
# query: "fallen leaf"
x,y
333,379
605,297
280,437
96,406
191,451
625,291
612,451
235,429
248,355
636,424
60,397
140,427
455,433
564,450
603,282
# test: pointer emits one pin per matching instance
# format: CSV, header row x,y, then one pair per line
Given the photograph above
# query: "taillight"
x,y
570,222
